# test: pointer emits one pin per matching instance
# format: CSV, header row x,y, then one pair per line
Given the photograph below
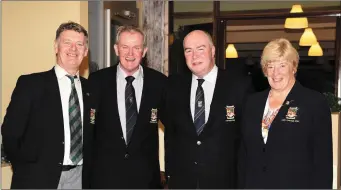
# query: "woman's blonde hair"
x,y
279,49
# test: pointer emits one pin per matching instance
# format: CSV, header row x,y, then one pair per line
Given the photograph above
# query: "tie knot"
x,y
200,81
72,78
130,79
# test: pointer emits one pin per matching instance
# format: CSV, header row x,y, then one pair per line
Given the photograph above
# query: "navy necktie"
x,y
199,113
131,107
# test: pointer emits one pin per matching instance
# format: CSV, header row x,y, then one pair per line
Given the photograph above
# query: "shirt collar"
x,y
60,72
211,77
137,75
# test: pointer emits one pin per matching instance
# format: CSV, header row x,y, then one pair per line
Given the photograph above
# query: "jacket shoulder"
x,y
103,72
154,73
35,78
311,96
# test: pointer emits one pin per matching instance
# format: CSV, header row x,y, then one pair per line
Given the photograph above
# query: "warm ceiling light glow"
x,y
308,38
296,23
315,50
231,51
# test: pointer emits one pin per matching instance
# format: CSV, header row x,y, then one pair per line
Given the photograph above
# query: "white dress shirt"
x,y
121,85
208,86
64,84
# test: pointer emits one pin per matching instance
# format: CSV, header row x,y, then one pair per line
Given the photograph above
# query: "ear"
x,y
213,51
86,52
144,51
116,50
56,47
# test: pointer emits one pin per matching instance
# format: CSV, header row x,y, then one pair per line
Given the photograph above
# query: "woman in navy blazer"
x,y
286,130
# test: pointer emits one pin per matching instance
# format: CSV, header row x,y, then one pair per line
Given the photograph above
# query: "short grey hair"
x,y
129,28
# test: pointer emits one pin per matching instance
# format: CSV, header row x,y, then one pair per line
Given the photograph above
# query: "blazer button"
x,y
126,156
63,142
263,149
198,143
195,163
264,169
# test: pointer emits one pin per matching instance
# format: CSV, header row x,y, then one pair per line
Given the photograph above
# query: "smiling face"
x,y
199,53
130,50
70,49
280,74
279,64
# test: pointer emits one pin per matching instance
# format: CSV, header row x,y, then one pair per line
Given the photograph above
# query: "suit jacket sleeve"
x,y
242,149
322,146
19,144
248,89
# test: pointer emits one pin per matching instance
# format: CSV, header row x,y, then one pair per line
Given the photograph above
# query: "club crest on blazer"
x,y
292,113
230,113
153,116
92,115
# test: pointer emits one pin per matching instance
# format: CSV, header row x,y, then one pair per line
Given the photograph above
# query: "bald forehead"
x,y
198,35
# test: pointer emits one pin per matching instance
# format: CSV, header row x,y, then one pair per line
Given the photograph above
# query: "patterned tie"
x,y
131,107
76,146
199,116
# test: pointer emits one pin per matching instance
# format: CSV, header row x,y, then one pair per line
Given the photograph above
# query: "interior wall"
x,y
28,32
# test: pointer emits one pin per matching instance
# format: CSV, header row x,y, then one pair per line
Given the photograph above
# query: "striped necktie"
x,y
199,113
131,107
75,120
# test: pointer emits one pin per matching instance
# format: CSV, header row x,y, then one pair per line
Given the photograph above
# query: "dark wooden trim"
x,y
278,29
171,66
279,13
337,52
216,8
256,14
187,15
170,17
220,45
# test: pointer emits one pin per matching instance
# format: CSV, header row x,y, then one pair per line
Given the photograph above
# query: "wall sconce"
x,y
308,38
315,50
297,22
231,51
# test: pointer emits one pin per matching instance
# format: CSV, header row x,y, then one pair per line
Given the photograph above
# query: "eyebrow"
x,y
201,46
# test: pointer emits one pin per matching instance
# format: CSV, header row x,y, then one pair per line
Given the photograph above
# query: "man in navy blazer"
x,y
38,127
127,102
202,121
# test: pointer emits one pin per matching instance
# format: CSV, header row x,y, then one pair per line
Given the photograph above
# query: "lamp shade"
x,y
308,38
296,9
315,50
231,51
296,23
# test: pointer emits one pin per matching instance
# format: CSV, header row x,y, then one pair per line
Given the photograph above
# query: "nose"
x,y
195,55
73,46
130,51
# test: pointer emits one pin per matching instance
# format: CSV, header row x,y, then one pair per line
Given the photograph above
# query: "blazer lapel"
x,y
259,107
142,113
113,91
216,100
186,90
86,104
282,111
55,102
